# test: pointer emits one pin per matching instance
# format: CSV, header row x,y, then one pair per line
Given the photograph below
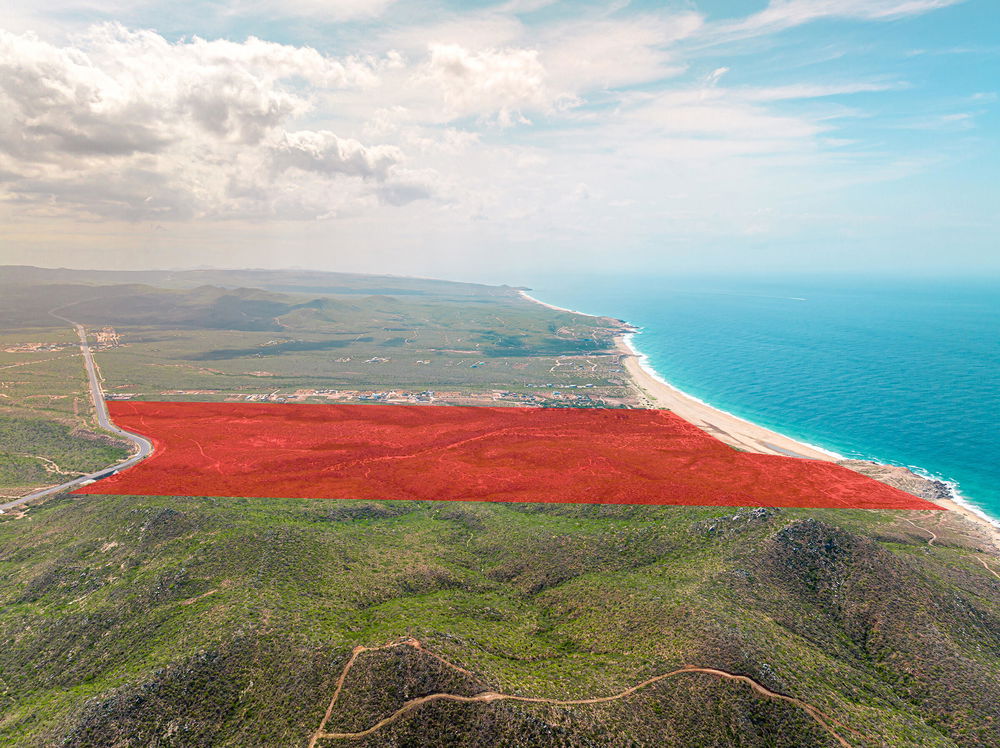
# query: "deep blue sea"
x,y
905,372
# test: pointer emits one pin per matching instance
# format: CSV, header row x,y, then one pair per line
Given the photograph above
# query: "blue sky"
x,y
480,139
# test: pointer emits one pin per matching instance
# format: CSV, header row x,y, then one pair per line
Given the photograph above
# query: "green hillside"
x,y
177,621
185,621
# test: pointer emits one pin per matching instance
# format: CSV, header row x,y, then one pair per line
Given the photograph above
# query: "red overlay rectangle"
x,y
468,454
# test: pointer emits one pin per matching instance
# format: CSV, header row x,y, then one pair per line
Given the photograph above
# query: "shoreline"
x,y
743,434
525,295
726,427
739,432
958,503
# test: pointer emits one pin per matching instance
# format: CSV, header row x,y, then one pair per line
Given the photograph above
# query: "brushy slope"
x,y
180,621
34,451
167,621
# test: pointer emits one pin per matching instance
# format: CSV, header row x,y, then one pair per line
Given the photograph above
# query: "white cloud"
x,y
725,119
713,78
784,14
814,91
955,122
596,54
519,126
320,10
126,123
501,84
324,153
491,66
205,14
712,121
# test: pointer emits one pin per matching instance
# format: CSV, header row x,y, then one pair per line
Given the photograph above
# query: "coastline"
x,y
739,432
525,295
967,511
726,427
749,436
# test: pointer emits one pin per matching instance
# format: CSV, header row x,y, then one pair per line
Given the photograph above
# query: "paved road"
x,y
143,446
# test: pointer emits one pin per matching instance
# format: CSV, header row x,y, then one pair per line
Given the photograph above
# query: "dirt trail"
x,y
921,527
340,685
202,596
49,465
986,566
823,719
37,361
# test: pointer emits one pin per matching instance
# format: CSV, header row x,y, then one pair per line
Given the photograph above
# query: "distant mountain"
x,y
298,281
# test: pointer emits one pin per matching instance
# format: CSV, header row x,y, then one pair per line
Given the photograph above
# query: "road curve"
x,y
143,446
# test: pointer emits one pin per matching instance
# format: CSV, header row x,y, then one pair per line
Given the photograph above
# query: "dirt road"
x,y
824,720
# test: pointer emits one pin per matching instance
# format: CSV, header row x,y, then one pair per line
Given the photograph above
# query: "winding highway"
x,y
143,446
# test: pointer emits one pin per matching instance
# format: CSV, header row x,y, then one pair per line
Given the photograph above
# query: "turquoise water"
x,y
902,372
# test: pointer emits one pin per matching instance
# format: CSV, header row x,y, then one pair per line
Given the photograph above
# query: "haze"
x,y
490,140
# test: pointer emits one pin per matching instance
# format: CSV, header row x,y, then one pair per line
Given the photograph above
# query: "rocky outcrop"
x,y
900,477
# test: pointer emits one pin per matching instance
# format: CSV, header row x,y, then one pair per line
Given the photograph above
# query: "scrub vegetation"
x,y
35,450
293,337
207,621
222,341
178,621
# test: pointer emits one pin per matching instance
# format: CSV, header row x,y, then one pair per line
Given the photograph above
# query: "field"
x,y
41,372
205,621
460,454
47,432
38,451
219,343
305,339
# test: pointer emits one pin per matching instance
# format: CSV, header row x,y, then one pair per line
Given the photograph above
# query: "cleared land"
x,y
595,456
203,621
294,337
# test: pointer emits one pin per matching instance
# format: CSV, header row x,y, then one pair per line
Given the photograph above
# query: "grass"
x,y
213,621
561,601
37,451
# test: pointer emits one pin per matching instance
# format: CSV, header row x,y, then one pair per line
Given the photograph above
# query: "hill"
x,y
179,621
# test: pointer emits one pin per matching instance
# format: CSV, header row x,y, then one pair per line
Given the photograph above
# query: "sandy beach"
x,y
746,435
736,431
533,300
726,427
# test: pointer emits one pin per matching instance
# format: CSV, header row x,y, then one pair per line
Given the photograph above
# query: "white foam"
x,y
644,363
954,493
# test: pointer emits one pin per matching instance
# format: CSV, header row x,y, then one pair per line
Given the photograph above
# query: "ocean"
x,y
904,372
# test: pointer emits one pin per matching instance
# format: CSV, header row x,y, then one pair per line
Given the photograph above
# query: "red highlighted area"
x,y
468,454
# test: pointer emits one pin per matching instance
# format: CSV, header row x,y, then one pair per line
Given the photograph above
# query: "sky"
x,y
496,140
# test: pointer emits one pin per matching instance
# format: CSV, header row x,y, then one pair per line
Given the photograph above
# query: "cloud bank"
x,y
524,123
125,124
